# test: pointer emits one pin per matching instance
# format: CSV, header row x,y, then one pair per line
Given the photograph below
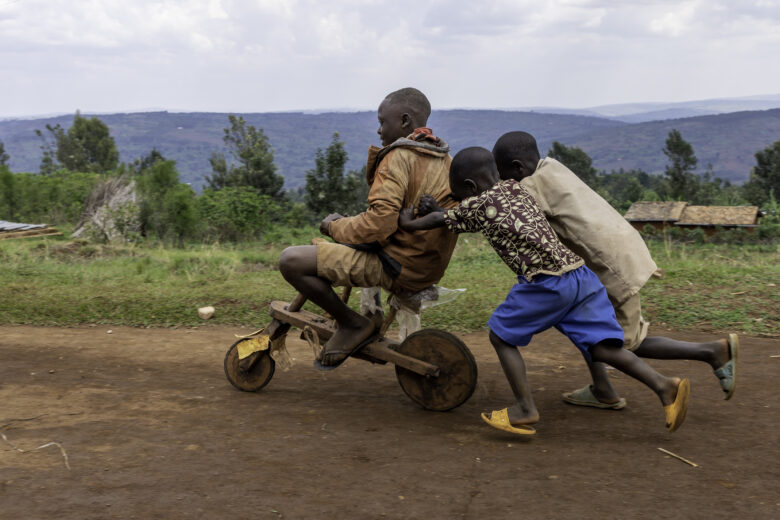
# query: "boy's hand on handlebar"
x,y
325,224
405,217
427,205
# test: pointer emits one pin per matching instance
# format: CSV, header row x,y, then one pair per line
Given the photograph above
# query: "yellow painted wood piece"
x,y
248,347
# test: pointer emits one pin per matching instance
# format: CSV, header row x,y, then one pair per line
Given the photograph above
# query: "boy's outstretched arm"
x,y
407,222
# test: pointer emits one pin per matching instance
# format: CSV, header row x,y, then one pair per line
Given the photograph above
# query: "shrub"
x,y
53,199
169,209
696,235
675,233
236,213
649,230
769,231
7,193
180,219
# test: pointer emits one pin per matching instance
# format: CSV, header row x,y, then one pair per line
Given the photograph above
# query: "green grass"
x,y
62,282
715,287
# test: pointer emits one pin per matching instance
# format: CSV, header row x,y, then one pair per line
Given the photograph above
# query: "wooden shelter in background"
x,y
663,215
18,230
660,215
711,218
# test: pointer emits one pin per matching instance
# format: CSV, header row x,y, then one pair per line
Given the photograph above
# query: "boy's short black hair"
x,y
413,102
516,146
468,162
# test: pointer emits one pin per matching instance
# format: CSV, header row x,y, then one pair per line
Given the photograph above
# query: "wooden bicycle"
x,y
434,368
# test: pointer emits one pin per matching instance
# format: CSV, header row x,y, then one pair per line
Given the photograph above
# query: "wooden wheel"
x,y
457,377
253,379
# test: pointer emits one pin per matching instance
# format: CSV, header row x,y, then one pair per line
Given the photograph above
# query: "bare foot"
x,y
605,397
521,415
669,391
720,354
345,341
378,318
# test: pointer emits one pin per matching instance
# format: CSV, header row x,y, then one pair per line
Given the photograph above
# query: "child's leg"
x,y
602,387
628,363
524,412
629,315
715,353
298,265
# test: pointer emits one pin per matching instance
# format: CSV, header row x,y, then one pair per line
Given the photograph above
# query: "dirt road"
x,y
152,429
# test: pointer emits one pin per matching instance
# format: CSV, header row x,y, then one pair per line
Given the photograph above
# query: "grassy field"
x,y
62,282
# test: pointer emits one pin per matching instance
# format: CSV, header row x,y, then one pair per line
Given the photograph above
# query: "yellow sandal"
x,y
500,419
675,412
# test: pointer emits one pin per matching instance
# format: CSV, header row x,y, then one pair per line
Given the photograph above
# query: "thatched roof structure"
x,y
727,216
678,213
655,211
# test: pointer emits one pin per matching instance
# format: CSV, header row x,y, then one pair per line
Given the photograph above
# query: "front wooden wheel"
x,y
457,370
253,379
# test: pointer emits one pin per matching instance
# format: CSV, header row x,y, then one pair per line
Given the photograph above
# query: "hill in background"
x,y
727,141
644,112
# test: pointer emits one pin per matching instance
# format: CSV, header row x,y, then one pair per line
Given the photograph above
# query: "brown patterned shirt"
x,y
515,226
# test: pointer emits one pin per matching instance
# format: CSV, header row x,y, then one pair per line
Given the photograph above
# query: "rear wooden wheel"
x,y
457,370
253,379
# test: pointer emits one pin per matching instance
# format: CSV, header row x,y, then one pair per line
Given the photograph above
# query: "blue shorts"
x,y
575,303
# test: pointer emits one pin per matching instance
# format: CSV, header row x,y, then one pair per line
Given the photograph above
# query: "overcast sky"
x,y
57,56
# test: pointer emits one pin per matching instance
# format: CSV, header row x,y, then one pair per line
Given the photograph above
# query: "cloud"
x,y
284,54
676,21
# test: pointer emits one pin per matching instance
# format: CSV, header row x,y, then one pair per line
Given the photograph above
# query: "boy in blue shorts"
x,y
554,289
588,225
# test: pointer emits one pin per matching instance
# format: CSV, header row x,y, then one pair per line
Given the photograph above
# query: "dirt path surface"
x,y
152,429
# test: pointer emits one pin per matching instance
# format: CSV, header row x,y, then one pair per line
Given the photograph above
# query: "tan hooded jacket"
x,y
398,175
588,225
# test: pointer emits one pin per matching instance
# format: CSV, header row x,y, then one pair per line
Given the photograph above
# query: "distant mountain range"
x,y
644,112
727,141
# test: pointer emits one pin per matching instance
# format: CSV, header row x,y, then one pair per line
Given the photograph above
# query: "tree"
x,y
325,183
356,190
142,164
622,188
577,161
168,208
253,160
683,184
87,146
328,190
764,180
48,154
714,191
3,156
7,193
